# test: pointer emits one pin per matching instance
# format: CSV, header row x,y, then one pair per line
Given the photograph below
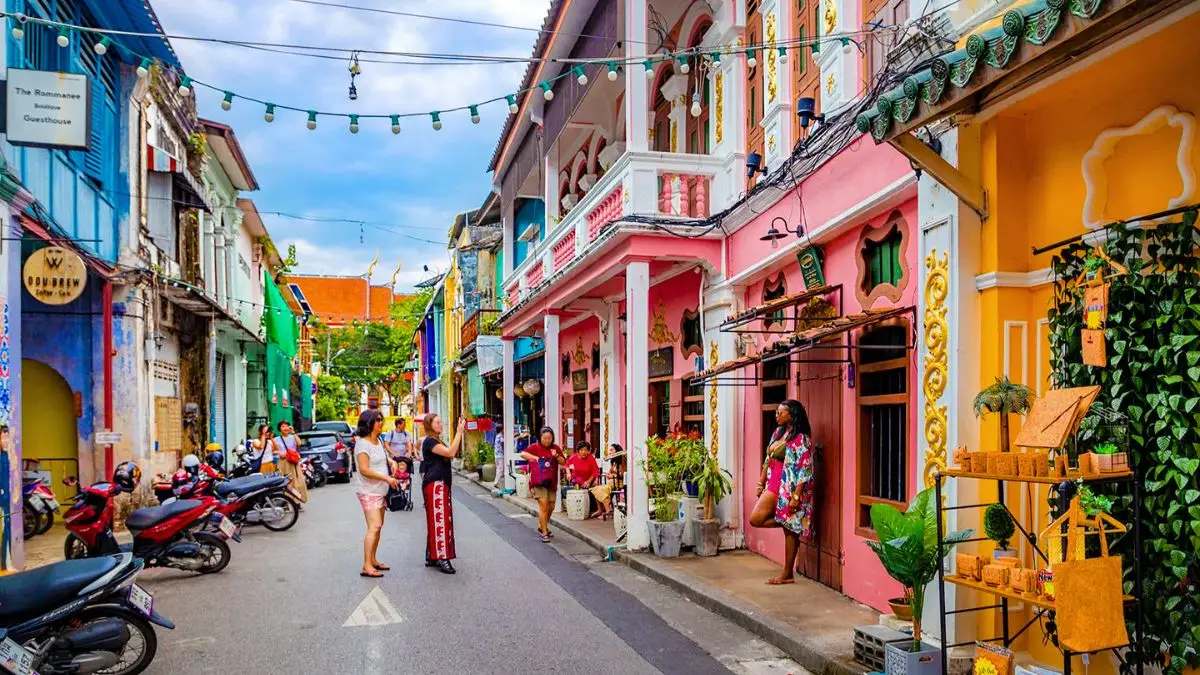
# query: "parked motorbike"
x,y
257,499
244,466
78,617
316,471
39,505
170,535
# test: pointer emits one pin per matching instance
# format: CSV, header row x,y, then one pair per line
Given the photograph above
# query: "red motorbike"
x,y
257,499
164,536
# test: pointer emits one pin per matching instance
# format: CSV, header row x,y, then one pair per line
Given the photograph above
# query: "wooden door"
x,y
821,392
580,415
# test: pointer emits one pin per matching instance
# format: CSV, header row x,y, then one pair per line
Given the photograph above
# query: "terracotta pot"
x,y
901,608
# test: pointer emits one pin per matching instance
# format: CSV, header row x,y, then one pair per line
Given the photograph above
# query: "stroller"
x,y
399,498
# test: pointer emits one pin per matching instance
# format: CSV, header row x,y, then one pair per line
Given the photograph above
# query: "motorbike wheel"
x,y
31,521
291,513
47,522
215,550
74,548
143,643
320,478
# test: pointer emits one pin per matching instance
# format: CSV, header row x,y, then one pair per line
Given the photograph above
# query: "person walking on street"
x,y
263,450
399,441
374,477
287,449
439,509
545,448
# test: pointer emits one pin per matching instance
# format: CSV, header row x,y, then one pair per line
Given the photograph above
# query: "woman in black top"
x,y
439,510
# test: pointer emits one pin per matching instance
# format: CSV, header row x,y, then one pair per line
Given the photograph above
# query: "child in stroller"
x,y
400,499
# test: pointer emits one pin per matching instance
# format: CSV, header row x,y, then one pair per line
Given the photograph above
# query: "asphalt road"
x,y
293,602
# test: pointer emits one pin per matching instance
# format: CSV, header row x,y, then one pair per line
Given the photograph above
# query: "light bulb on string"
x,y
64,40
684,66
269,115
354,124
312,120
512,103
846,45
227,102
185,86
649,66
783,55
18,29
696,110
395,124
436,117
143,69
101,47
716,57
751,59
580,76
353,92
474,110
547,92
612,71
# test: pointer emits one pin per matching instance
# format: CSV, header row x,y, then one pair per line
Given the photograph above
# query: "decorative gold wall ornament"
x,y
816,312
579,355
714,428
937,285
607,429
674,137
830,16
771,84
660,332
830,83
771,143
719,85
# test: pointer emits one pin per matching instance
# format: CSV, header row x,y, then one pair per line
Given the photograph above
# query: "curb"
x,y
768,628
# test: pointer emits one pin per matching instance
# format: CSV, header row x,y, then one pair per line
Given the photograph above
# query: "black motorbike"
x,y
316,471
78,617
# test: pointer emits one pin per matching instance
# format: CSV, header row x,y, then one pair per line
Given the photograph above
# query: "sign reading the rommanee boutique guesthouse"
x,y
47,109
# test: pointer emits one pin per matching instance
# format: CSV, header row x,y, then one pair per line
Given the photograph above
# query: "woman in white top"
x,y
374,479
262,451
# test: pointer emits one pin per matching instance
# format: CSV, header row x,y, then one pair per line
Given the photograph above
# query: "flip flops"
x,y
376,575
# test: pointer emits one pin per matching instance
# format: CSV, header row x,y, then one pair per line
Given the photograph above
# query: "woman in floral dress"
x,y
785,495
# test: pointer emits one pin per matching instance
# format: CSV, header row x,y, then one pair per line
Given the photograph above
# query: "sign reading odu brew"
x,y
54,275
47,109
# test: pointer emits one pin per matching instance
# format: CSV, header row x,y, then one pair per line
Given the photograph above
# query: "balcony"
x,y
662,184
469,331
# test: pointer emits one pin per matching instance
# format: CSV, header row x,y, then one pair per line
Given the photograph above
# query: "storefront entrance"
x,y
821,390
660,407
50,441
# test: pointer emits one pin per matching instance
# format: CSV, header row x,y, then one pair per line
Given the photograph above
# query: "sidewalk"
x,y
812,624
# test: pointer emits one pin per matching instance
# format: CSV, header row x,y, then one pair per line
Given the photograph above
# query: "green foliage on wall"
x,y
1153,377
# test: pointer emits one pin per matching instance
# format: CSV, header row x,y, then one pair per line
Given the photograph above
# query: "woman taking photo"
x,y
262,450
439,509
287,449
374,479
785,486
545,448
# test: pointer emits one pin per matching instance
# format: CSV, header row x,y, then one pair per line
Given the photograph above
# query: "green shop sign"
x,y
810,267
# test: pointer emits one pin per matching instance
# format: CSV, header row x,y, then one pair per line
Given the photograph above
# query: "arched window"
x,y
662,112
697,128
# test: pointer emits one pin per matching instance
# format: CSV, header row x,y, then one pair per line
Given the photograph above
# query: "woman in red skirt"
x,y
439,510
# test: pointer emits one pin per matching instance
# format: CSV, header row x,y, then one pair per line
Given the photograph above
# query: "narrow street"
x,y
293,602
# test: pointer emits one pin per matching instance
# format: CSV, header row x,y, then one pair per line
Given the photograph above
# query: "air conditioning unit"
x,y
531,232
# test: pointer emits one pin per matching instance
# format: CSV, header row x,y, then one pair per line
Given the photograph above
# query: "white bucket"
x,y
523,485
577,504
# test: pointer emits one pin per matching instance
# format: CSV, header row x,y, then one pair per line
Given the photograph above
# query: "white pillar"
x,y
637,103
507,387
610,383
675,90
230,263
637,381
553,376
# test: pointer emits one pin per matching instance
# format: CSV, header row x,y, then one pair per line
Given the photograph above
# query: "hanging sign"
x,y
54,275
47,109
1095,306
1095,352
662,362
810,267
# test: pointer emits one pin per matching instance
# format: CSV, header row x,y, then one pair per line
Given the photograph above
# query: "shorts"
x,y
540,493
370,502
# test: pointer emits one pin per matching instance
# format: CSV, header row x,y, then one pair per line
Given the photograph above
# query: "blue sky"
x,y
412,184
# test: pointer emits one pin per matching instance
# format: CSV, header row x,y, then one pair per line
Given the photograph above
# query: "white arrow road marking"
x,y
374,610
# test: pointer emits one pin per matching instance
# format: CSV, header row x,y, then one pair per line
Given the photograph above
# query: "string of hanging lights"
x,y
577,68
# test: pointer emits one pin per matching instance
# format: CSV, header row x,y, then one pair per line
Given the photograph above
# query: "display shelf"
x,y
1044,480
1037,601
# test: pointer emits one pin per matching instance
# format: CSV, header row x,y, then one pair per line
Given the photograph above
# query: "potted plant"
x,y
998,525
1005,398
1092,503
908,549
713,485
666,530
486,458
1109,458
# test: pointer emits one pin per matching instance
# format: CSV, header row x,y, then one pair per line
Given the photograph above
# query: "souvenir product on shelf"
x,y
1041,463
968,566
992,660
1045,584
1055,417
962,459
1025,464
993,463
978,461
1024,581
996,574
1095,352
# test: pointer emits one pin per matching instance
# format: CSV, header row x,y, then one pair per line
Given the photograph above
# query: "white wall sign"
x,y
47,109
108,437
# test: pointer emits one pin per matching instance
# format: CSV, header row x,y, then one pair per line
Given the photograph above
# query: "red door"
x,y
821,392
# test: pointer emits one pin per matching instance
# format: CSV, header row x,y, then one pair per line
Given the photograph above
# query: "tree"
x,y
1006,398
332,399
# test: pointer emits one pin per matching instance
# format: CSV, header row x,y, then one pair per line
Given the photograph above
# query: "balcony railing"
x,y
469,331
670,185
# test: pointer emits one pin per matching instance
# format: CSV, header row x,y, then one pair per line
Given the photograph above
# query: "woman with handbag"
x,y
263,450
374,478
544,457
435,486
785,495
287,448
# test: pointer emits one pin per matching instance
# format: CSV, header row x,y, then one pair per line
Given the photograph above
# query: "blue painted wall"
x,y
527,346
532,211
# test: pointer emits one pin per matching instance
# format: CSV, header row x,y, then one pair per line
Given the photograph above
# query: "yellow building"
x,y
453,325
1052,121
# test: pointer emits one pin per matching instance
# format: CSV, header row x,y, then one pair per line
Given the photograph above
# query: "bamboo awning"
x,y
833,328
758,312
708,374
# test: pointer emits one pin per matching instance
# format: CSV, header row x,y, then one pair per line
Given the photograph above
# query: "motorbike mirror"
x,y
70,481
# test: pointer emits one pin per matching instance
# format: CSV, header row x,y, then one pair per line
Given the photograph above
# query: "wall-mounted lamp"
x,y
933,143
806,110
754,164
774,234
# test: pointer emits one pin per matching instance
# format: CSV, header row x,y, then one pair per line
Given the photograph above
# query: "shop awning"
x,y
709,374
194,300
833,328
759,312
190,194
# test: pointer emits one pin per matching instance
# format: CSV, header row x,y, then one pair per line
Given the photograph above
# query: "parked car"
x,y
342,428
330,447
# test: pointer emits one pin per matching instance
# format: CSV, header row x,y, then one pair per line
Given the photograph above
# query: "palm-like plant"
x,y
908,548
714,484
1005,398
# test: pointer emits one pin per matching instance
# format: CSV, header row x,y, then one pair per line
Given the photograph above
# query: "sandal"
x,y
781,581
545,537
381,567
376,575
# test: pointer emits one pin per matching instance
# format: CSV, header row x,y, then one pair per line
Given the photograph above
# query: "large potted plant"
x,y
662,475
713,484
908,549
485,457
1004,397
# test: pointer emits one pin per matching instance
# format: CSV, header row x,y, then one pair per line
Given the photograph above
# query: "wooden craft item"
x,y
1025,464
1011,562
968,566
996,574
992,660
1089,464
1095,351
1113,463
1055,416
1090,604
978,461
1041,464
1024,581
1095,306
1060,466
962,458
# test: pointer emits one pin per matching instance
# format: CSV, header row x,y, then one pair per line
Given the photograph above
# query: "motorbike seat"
x,y
26,595
149,517
237,486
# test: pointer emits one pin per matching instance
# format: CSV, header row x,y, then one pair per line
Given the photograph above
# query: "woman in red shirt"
x,y
544,449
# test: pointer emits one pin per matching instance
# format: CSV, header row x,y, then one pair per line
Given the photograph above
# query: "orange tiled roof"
x,y
339,300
